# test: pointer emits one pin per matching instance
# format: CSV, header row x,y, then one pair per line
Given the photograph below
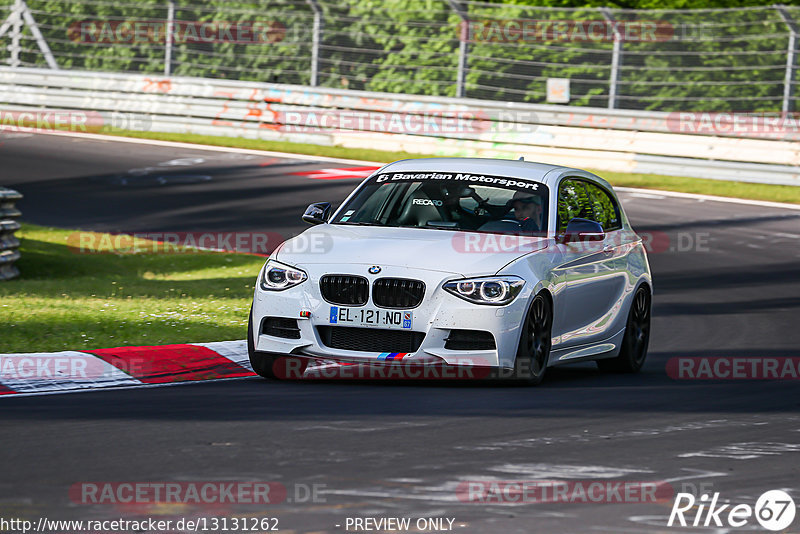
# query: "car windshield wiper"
x,y
444,225
360,223
426,227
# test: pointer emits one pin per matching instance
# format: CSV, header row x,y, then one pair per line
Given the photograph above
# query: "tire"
x,y
535,342
633,351
265,364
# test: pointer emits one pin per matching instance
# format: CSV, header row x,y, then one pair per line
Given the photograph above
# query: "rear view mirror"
x,y
466,192
317,213
582,230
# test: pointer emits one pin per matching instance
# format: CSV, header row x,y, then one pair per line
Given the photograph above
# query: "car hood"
x,y
465,253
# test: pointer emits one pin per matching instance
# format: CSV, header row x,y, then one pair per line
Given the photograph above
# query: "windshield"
x,y
449,201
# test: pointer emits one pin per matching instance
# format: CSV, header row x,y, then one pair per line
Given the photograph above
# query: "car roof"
x,y
498,167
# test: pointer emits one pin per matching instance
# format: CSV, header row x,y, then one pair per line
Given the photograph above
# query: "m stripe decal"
x,y
392,355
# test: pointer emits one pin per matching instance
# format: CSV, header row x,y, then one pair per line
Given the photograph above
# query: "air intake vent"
x,y
344,289
281,327
370,339
469,340
398,293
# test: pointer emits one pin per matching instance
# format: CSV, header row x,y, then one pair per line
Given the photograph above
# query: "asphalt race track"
x,y
727,283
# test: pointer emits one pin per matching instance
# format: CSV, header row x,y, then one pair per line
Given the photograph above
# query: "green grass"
x,y
774,193
70,301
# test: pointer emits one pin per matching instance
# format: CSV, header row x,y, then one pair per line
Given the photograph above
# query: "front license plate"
x,y
393,319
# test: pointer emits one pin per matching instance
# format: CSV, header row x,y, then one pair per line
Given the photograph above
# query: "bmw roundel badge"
x,y
374,269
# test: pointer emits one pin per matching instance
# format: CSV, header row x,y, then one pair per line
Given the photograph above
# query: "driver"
x,y
527,211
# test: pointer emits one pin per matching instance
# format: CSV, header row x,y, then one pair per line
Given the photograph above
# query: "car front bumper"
x,y
438,314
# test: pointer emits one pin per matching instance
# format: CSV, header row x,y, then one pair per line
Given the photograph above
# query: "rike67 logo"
x,y
774,510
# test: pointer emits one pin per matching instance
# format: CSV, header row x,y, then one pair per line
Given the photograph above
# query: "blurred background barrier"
x,y
723,59
9,244
718,146
708,93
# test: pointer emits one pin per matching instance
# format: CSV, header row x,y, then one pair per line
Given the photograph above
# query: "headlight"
x,y
277,276
493,290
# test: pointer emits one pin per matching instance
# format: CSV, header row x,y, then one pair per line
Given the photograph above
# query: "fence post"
x,y
316,39
788,80
37,34
21,13
168,38
463,47
9,244
616,58
16,33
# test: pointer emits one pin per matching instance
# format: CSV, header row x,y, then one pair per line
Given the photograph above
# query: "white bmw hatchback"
x,y
508,265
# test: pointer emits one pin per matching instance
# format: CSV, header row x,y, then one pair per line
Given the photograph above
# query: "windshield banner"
x,y
498,181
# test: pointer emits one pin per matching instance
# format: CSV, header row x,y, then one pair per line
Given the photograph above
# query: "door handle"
x,y
608,249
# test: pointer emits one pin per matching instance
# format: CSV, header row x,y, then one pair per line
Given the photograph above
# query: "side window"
x,y
573,201
606,210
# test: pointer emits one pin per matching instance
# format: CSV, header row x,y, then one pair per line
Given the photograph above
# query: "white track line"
x,y
210,148
696,196
267,153
125,387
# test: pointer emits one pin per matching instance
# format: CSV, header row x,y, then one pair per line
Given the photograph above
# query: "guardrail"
x,y
597,138
727,58
9,244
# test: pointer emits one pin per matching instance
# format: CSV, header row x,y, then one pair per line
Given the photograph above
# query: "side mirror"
x,y
582,230
317,213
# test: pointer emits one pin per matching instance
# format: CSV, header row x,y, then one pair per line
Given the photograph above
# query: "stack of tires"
x,y
9,244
